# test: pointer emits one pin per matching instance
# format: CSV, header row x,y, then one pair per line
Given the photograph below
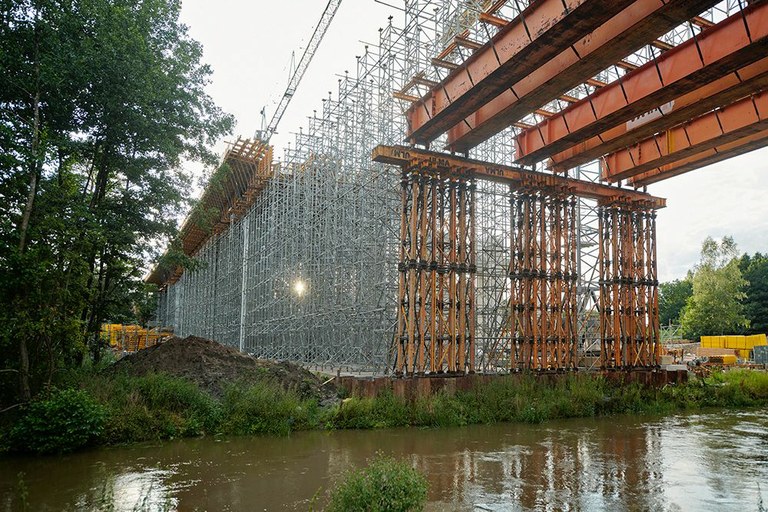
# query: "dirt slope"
x,y
211,365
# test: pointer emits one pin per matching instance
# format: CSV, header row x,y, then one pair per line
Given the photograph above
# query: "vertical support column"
x,y
629,331
244,282
403,305
435,329
472,263
652,281
542,324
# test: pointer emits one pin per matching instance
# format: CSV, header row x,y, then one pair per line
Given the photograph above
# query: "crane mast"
x,y
317,36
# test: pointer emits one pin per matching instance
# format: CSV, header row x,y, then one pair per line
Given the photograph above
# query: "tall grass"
x,y
533,400
124,409
265,408
154,407
385,485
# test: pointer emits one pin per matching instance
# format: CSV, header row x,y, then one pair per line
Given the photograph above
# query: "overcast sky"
x,y
249,43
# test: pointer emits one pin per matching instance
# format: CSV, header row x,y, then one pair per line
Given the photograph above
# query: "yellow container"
x,y
744,354
758,339
751,341
725,359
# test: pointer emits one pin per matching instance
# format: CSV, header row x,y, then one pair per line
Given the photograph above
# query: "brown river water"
x,y
709,461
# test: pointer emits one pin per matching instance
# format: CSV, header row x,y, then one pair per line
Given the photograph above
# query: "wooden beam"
x,y
728,124
709,157
468,168
726,90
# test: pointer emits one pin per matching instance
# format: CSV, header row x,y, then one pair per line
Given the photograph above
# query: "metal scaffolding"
x,y
311,270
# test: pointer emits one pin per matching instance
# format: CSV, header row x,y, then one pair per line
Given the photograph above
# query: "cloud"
x,y
727,198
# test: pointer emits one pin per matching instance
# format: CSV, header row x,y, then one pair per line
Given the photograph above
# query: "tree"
x,y
715,306
755,272
672,299
100,103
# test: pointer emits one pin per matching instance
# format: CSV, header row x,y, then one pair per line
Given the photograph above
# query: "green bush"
x,y
265,408
154,407
441,410
386,485
62,421
384,411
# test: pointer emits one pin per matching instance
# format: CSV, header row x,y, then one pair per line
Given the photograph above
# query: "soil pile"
x,y
212,365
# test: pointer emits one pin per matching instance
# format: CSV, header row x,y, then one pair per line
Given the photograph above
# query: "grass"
x,y
385,485
532,400
158,406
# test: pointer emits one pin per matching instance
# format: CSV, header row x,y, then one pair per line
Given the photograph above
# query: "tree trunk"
x,y
24,389
34,169
34,172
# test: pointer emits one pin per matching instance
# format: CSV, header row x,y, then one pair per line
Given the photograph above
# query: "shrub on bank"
x,y
153,407
61,421
117,408
529,399
265,408
384,411
386,485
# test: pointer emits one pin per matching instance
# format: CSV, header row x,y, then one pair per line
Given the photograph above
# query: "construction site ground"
x,y
213,366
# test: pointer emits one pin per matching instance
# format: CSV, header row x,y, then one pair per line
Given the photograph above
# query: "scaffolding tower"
x,y
308,271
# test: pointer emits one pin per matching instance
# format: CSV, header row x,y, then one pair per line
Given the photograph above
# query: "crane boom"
x,y
306,58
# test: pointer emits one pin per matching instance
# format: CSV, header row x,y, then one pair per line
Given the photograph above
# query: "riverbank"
x,y
108,408
629,462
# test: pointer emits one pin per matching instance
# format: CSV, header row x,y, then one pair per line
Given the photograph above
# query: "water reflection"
x,y
689,462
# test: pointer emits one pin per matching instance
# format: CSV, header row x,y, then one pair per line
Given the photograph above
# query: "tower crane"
x,y
265,133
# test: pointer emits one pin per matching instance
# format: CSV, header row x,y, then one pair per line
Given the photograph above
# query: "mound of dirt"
x,y
212,365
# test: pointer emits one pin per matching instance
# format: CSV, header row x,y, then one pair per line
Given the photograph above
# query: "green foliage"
x,y
61,422
153,407
386,485
715,306
672,299
117,409
530,399
386,410
754,269
265,408
100,103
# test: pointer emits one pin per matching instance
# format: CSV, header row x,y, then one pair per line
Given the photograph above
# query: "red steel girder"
x,y
749,79
728,124
543,30
731,44
633,27
703,159
405,156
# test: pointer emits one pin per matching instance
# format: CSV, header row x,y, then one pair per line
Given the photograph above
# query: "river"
x,y
708,461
